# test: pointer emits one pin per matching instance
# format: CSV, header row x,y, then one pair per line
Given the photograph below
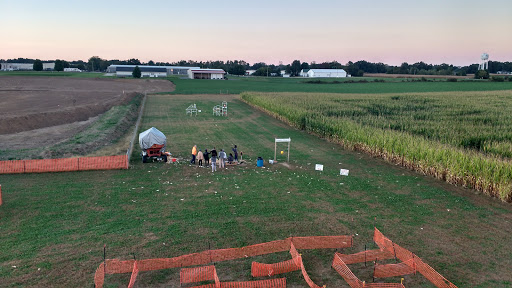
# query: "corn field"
x,y
464,138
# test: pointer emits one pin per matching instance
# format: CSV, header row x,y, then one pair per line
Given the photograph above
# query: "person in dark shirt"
x,y
230,158
206,155
235,150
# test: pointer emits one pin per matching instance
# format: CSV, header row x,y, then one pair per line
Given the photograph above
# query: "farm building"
x,y
24,66
206,74
249,72
72,70
323,73
148,71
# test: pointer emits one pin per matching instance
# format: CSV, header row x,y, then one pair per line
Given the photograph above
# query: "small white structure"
x,y
224,108
344,172
282,140
484,62
72,70
221,110
217,110
319,167
206,74
325,73
249,72
192,109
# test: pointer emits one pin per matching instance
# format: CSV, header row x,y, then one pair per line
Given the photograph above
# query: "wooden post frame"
x,y
282,140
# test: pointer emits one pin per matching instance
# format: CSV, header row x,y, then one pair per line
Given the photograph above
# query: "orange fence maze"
x,y
410,264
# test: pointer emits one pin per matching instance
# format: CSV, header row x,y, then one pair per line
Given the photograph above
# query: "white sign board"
x,y
319,167
283,140
344,172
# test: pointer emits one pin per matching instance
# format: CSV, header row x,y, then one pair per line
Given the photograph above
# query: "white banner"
x,y
280,140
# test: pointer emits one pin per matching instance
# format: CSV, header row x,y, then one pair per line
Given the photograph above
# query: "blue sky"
x,y
392,32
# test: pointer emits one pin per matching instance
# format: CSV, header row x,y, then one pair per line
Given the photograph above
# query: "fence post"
x,y
1,195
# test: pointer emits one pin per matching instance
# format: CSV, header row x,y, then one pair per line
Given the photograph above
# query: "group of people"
x,y
212,154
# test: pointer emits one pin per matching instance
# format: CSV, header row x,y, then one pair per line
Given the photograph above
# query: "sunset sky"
x,y
394,31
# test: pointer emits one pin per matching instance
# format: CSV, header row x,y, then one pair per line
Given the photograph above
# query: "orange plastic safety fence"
x,y
114,266
99,276
298,261
270,283
432,275
205,286
404,255
135,272
383,285
345,272
197,274
64,164
261,269
216,278
103,163
322,242
368,255
12,166
354,282
391,270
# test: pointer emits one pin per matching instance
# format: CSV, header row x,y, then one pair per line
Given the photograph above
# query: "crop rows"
x,y
461,137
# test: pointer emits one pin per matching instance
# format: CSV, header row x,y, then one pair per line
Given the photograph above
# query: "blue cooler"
x,y
259,163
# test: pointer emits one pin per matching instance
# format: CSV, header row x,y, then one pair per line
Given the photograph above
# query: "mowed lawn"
x,y
53,226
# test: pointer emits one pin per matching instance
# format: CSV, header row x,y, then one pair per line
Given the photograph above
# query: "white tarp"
x,y
344,172
319,167
150,137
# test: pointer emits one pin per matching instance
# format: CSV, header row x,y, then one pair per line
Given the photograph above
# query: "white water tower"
x,y
484,62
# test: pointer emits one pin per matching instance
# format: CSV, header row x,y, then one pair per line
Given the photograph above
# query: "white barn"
x,y
24,66
72,70
325,73
206,74
148,70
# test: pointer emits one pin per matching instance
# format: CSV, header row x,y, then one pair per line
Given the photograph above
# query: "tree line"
x,y
239,67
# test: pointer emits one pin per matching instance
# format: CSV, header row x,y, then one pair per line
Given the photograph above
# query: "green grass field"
x,y
54,225
237,85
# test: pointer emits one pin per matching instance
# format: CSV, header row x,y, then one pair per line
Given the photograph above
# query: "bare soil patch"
x,y
28,103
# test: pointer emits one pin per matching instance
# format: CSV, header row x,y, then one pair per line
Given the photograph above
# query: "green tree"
x,y
237,69
59,65
136,72
38,65
482,74
295,68
94,63
304,65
